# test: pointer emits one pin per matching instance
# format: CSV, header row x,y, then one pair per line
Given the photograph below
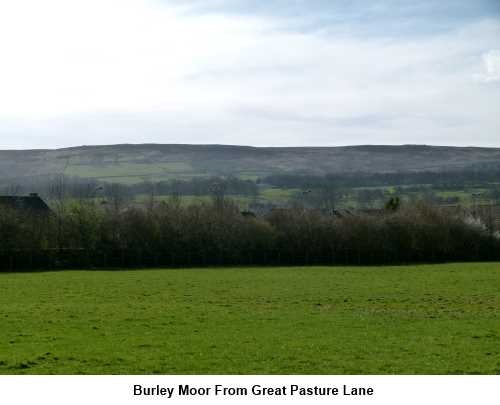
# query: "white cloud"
x,y
491,61
108,71
71,56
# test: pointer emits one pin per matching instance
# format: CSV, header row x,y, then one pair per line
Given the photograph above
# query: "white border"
x,y
109,390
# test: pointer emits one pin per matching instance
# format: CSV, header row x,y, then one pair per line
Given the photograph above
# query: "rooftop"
x,y
32,203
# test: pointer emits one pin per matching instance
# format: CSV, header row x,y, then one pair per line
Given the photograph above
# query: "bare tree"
x,y
329,196
13,189
218,192
176,194
57,196
117,196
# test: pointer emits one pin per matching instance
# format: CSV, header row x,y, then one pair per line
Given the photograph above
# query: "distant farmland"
x,y
437,319
362,176
135,163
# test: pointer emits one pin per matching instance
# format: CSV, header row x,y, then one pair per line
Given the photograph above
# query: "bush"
x,y
169,234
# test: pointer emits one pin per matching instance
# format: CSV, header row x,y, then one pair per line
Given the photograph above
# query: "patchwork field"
x,y
131,172
250,162
432,319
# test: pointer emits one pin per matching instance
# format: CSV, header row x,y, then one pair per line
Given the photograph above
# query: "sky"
x,y
241,72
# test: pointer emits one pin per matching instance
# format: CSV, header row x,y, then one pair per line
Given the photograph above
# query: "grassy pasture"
x,y
411,319
278,195
120,172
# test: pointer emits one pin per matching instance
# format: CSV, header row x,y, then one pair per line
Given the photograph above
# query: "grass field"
x,y
430,319
129,173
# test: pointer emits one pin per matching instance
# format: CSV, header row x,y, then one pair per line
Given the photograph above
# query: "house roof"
x,y
32,203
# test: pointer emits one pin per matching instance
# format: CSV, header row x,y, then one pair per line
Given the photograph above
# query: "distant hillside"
x,y
135,163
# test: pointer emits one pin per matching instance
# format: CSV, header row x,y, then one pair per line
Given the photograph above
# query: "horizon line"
x,y
131,144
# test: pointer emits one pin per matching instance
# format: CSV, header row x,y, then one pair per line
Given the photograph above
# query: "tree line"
x,y
170,234
444,179
84,188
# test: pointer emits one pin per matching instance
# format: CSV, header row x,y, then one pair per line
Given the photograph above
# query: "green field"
x,y
431,319
129,173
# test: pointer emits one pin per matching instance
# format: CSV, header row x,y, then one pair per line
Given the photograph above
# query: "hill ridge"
x,y
153,161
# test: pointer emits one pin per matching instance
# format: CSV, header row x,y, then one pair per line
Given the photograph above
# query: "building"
x,y
31,204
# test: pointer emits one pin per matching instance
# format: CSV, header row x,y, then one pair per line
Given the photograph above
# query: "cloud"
x,y
356,17
106,71
491,61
